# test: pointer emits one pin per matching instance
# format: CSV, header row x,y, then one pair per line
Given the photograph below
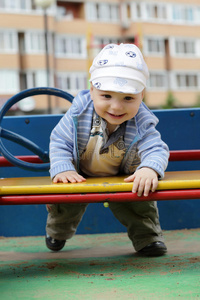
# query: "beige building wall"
x,y
93,30
8,61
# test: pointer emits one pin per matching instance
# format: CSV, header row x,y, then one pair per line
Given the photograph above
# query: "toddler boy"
x,y
107,131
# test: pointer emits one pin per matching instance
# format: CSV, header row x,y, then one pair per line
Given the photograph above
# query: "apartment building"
x,y
167,32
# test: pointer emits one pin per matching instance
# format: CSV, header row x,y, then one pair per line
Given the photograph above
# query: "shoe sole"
x,y
153,253
54,248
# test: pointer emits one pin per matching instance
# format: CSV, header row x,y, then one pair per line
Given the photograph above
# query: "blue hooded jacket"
x,y
144,147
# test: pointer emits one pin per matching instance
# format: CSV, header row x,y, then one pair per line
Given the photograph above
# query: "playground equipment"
x,y
40,190
32,188
102,260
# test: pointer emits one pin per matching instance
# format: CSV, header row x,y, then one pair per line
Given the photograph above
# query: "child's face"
x,y
115,108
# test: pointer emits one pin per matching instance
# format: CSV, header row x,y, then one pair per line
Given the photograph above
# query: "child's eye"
x,y
128,98
107,96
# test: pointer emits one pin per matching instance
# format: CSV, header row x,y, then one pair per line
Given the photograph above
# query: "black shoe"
x,y
154,249
53,244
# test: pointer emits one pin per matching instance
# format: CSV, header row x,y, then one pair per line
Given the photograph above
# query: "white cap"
x,y
119,68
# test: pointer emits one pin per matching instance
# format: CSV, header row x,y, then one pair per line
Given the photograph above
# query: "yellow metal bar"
x,y
44,185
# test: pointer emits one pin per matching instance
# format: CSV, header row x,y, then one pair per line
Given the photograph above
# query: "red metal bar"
x,y
29,158
182,155
176,155
99,197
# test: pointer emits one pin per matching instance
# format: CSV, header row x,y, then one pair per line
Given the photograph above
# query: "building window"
x,y
31,79
34,42
71,82
185,47
156,11
23,81
15,4
138,11
134,10
157,80
100,42
154,46
187,81
8,42
9,82
69,46
197,17
183,13
104,12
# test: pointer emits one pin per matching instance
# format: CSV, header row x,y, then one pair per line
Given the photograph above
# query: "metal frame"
x,y
98,197
181,194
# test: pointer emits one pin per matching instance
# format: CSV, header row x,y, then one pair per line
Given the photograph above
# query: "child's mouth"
x,y
116,116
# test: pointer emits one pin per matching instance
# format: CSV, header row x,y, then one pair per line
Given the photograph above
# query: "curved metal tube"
x,y
22,140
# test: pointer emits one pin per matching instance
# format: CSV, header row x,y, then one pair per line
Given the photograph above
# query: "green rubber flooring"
x,y
100,267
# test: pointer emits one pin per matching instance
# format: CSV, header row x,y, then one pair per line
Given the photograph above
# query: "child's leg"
x,y
141,220
63,220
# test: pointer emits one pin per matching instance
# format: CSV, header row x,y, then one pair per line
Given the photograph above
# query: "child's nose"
x,y
116,105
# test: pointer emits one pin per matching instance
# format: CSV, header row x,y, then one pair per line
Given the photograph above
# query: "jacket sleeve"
x,y
153,152
63,140
61,146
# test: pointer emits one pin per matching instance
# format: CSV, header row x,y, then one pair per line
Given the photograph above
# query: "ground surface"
x,y
100,267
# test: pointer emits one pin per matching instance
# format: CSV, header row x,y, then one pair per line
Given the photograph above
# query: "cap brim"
x,y
119,85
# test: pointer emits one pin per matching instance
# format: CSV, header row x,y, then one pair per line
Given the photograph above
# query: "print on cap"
x,y
109,47
102,62
120,81
131,54
97,85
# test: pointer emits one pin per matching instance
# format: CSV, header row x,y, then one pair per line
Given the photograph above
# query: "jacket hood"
x,y
80,103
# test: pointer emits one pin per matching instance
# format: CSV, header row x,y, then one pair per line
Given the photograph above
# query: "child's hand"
x,y
68,176
145,179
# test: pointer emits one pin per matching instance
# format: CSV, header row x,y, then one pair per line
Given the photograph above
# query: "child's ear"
x,y
91,89
143,92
